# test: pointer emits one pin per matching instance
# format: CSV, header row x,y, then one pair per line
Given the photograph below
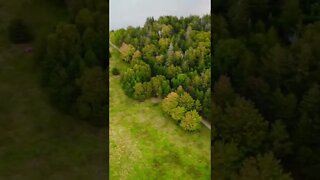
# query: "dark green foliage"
x,y
243,124
19,31
115,71
266,52
191,121
140,72
227,160
262,167
73,63
93,101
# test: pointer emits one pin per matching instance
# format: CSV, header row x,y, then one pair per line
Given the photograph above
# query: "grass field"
x,y
36,140
145,144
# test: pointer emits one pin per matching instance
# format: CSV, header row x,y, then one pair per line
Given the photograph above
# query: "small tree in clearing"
x,y
170,102
191,121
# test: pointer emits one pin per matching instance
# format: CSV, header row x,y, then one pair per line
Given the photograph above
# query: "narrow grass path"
x,y
36,140
145,144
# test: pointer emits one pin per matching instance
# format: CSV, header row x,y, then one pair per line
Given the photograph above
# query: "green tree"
x,y
127,51
223,91
243,124
178,113
93,101
227,159
170,102
191,121
160,86
186,101
262,167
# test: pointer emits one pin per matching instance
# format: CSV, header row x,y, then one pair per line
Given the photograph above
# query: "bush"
x,y
19,32
115,71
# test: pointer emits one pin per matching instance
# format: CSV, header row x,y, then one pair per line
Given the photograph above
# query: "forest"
x,y
266,94
73,61
170,59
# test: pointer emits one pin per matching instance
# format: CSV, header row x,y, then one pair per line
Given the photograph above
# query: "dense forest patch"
x,y
167,55
73,60
266,89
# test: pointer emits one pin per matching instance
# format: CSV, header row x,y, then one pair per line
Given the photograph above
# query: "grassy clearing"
x,y
145,144
36,140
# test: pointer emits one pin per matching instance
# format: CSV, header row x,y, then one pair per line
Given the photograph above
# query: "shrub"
x,y
19,32
115,71
191,121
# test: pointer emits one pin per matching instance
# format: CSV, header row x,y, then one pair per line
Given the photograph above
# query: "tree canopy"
x,y
266,88
166,54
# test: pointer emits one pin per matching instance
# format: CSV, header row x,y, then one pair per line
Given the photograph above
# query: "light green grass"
x,y
36,140
145,144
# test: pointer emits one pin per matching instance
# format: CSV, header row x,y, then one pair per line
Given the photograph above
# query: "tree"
x,y
136,55
127,51
140,72
223,92
117,37
142,90
242,124
160,86
93,101
279,138
149,51
173,71
181,79
284,107
311,102
166,31
191,121
227,160
164,44
291,14
262,167
170,102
